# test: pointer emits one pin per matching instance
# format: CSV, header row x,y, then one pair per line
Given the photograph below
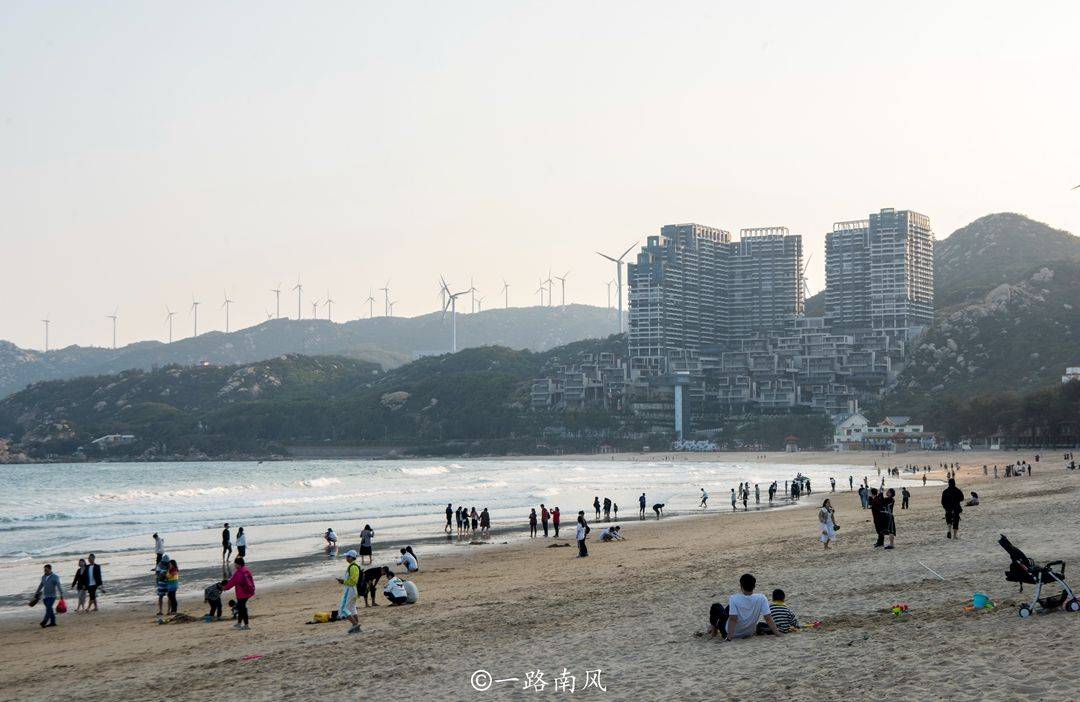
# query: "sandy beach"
x,y
634,610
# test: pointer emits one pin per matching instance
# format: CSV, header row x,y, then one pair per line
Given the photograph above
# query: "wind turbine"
x,y
225,306
195,315
370,303
618,277
169,314
472,295
550,283
299,288
269,314
315,309
608,286
562,280
451,302
277,301
329,307
113,317
506,294
442,296
392,303
46,323
541,291
386,298
479,304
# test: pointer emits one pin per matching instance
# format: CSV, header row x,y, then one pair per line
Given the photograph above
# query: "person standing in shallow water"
x,y
596,506
641,506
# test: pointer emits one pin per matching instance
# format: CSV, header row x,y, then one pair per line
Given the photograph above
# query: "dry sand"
x,y
631,609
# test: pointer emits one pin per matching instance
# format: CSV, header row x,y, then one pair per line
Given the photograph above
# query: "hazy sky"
x,y
149,150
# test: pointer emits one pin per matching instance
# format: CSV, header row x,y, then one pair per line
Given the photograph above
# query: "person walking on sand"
x,y
905,496
555,517
49,590
704,499
596,506
827,523
952,498
366,535
582,534
241,543
545,517
532,523
832,484
226,543
77,584
641,506
449,518
757,493
888,506
347,606
159,548
244,583
91,580
734,499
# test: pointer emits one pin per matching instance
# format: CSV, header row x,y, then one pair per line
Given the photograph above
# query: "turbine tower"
x,y
392,303
370,303
315,309
541,291
451,303
549,283
472,296
46,323
329,307
195,316
562,280
169,314
386,298
277,301
113,317
608,286
506,294
618,278
225,306
479,304
299,288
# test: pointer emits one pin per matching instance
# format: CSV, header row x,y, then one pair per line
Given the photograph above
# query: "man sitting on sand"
x,y
743,614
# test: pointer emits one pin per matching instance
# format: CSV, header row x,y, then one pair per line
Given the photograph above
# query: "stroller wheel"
x,y
1024,611
1072,605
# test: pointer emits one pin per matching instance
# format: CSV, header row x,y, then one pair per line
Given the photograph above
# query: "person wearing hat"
x,y
347,608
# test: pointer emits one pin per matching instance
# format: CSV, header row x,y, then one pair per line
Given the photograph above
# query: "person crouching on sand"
x,y
244,582
395,590
408,559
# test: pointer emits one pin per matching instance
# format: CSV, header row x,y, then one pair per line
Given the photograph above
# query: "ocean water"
x,y
59,512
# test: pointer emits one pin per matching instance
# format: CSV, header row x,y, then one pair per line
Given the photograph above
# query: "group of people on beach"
x,y
468,521
87,583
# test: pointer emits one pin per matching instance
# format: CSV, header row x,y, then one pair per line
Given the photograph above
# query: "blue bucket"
x,y
979,600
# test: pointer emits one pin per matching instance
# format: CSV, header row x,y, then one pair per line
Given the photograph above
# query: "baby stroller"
x,y
1025,570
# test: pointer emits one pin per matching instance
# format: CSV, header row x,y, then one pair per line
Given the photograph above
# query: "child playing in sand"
x,y
782,615
212,596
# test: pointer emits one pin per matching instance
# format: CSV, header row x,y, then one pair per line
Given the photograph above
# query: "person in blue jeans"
x,y
50,590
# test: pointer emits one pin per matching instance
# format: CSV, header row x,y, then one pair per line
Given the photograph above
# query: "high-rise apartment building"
x,y
879,273
691,287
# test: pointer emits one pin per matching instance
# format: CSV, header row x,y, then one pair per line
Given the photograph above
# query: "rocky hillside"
x,y
387,341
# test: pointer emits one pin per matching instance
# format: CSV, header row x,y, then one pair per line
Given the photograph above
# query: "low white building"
x,y
110,440
896,433
1071,373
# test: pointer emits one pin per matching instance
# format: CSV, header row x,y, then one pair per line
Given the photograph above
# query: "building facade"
x,y
879,274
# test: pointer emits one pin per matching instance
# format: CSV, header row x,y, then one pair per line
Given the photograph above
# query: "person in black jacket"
x,y
91,581
952,498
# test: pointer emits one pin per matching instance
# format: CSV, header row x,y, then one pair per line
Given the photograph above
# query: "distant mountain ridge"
x,y
387,341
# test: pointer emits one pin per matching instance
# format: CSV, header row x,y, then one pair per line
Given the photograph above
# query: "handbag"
x,y
61,606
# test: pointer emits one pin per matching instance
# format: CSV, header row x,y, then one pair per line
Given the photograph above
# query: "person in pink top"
x,y
244,583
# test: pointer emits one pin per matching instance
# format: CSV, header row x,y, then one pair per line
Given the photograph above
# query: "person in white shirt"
x,y
582,533
241,543
704,498
743,614
159,548
395,590
611,534
408,559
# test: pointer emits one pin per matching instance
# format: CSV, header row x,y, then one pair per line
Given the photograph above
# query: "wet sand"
x,y
633,610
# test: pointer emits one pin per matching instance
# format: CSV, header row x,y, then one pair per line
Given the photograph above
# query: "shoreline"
x,y
632,609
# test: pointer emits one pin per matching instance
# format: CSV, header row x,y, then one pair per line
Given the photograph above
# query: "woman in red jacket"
x,y
244,583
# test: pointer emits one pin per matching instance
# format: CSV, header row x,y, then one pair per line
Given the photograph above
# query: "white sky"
x,y
149,151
